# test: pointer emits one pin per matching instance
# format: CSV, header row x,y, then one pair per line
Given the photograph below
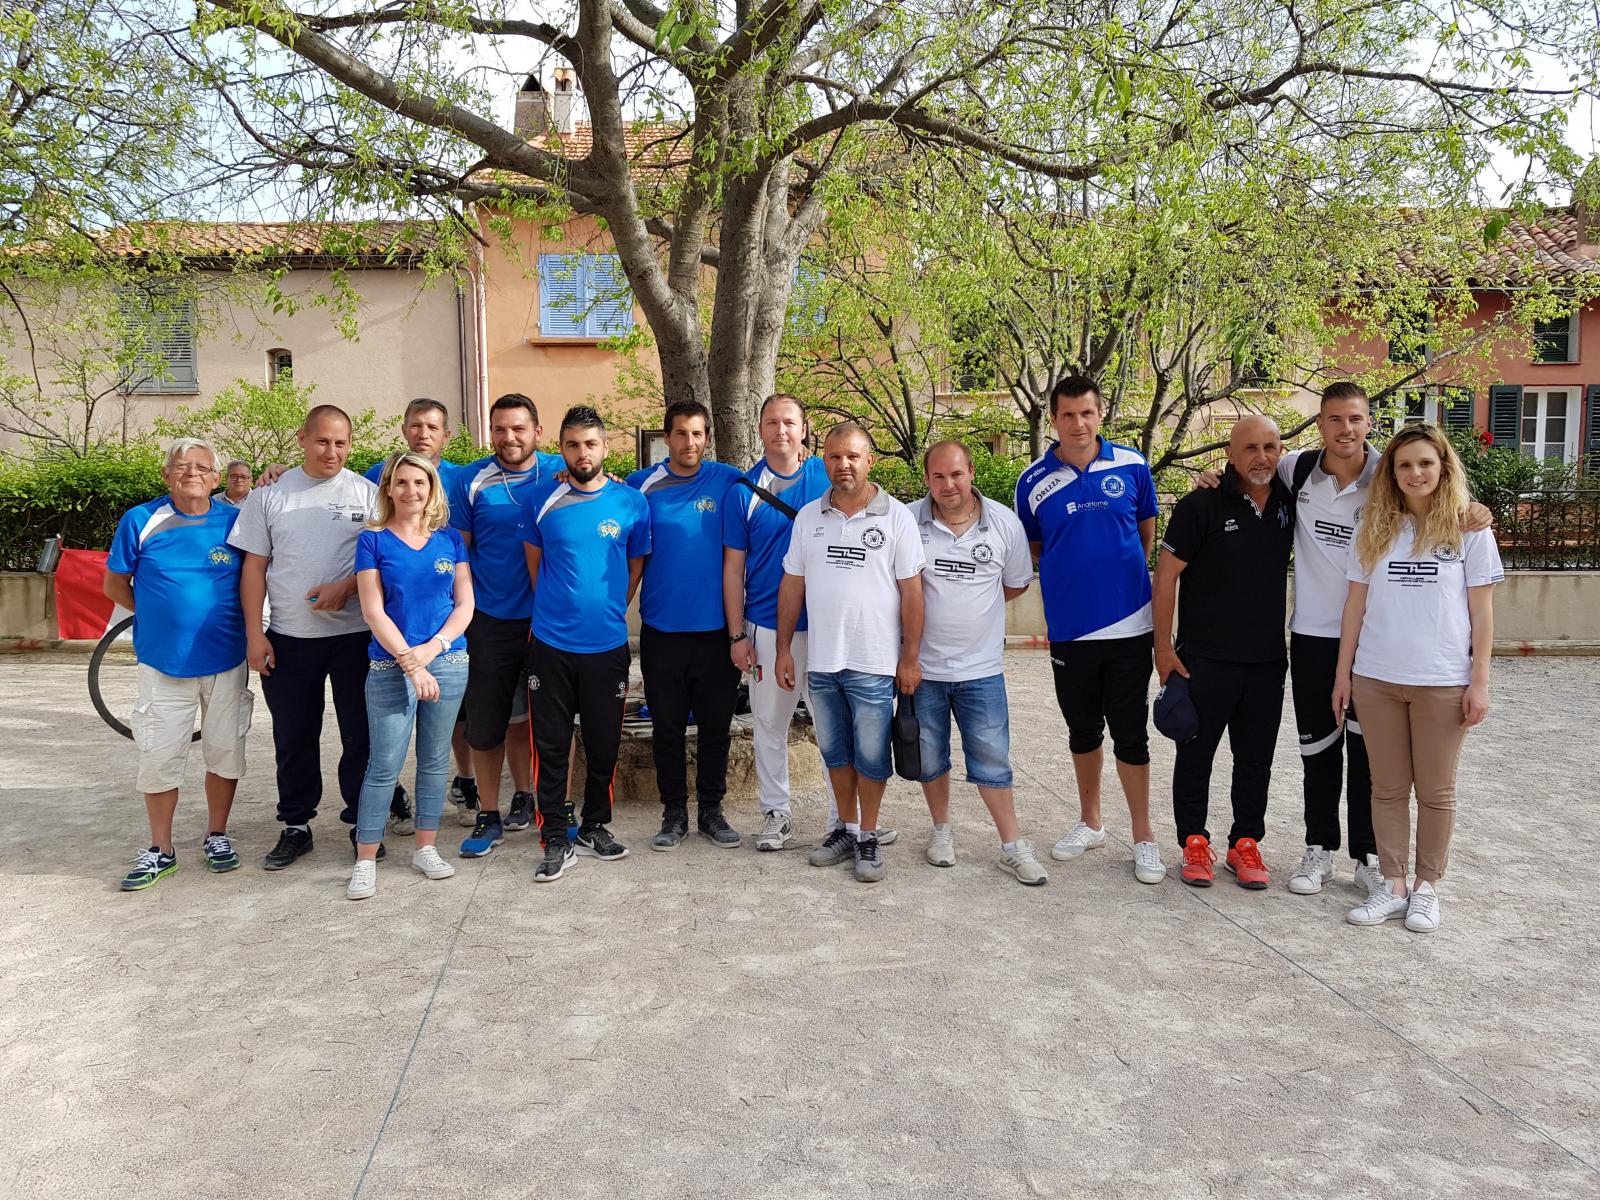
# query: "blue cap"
x,y
1175,715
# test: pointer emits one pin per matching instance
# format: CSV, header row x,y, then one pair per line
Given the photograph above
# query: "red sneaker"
x,y
1244,860
1197,859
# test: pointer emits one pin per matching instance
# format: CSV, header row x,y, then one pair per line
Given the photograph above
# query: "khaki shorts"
x,y
163,724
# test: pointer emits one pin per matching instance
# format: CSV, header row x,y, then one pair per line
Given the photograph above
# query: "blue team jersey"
x,y
1093,572
762,532
187,621
447,470
682,588
489,504
585,540
418,584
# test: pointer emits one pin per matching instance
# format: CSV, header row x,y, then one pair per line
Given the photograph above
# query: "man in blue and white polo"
x,y
1089,510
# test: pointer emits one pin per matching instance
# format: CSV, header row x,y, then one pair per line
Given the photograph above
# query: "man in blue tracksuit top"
x,y
488,507
1089,510
586,542
682,644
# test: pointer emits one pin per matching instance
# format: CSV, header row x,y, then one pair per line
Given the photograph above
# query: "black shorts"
x,y
496,672
1101,683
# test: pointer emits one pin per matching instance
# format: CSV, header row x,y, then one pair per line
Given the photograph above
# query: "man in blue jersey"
x,y
1089,510
681,638
586,542
171,565
488,506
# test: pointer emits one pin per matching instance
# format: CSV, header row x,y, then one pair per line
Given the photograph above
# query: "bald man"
x,y
1224,568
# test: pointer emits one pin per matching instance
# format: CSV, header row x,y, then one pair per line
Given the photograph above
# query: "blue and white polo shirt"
x,y
680,592
1092,567
488,503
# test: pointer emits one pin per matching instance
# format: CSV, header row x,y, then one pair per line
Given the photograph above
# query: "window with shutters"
x,y
280,365
161,345
583,296
1451,407
1549,427
1556,341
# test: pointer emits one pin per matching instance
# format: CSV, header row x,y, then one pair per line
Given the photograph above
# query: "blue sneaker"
x,y
150,866
485,836
220,854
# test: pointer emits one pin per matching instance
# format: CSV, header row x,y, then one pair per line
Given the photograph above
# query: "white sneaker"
x,y
363,880
776,830
1075,843
1382,905
1315,869
1422,913
1022,866
427,861
1368,875
941,851
1147,864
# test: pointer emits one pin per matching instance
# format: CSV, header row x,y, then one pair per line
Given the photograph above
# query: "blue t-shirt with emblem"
x,y
585,540
447,470
762,532
682,588
418,584
187,621
1093,572
489,504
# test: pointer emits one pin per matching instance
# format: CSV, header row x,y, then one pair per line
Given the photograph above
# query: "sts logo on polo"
x,y
609,529
872,538
1113,486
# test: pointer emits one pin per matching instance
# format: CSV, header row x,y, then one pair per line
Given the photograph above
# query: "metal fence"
x,y
1555,530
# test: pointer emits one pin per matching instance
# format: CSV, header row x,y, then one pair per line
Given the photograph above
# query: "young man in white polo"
x,y
977,558
855,560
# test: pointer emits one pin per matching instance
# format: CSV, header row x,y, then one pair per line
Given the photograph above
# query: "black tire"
x,y
95,696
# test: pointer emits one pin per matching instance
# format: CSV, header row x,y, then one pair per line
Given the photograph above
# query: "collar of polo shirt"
x,y
877,506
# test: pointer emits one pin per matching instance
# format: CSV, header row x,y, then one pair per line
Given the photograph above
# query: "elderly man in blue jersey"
x,y
586,542
488,507
681,639
172,566
1089,510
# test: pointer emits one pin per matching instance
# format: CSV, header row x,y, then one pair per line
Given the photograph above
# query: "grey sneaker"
x,y
839,846
869,866
776,830
712,824
521,814
941,851
887,837
1021,865
674,827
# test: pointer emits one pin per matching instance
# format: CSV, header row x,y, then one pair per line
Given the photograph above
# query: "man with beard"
x,y
1230,547
488,507
586,542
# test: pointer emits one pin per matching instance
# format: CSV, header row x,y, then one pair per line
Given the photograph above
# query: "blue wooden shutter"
x,y
1505,415
562,297
1591,441
609,299
1458,408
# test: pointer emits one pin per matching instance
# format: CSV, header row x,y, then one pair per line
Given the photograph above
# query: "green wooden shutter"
x,y
1458,408
1591,436
1505,415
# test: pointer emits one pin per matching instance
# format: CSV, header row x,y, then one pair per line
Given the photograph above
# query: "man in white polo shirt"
x,y
977,558
855,563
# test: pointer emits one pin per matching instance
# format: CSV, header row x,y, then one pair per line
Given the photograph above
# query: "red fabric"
x,y
83,610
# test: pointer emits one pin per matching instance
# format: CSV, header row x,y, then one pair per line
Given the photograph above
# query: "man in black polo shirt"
x,y
1230,545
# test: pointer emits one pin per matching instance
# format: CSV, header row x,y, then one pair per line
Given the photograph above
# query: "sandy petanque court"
x,y
718,1023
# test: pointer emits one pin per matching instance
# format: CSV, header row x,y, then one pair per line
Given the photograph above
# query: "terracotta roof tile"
x,y
1549,247
231,239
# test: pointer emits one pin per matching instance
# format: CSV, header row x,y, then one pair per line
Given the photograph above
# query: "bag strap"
x,y
769,497
1303,466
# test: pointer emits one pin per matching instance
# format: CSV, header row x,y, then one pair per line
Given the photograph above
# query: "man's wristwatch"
x,y
735,638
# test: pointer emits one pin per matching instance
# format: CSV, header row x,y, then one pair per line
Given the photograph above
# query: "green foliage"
x,y
994,475
1501,476
259,424
79,498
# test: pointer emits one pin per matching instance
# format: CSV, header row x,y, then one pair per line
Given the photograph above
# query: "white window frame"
x,y
1541,397
1573,326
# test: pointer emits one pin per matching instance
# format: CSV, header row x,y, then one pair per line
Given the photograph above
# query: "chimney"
x,y
561,103
532,115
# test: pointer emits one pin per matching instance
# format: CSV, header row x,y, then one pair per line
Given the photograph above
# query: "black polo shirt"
x,y
1231,594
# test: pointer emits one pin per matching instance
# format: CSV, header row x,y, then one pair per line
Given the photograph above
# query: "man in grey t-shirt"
x,y
299,540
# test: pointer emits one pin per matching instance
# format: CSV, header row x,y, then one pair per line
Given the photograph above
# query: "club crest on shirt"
x,y
982,553
705,504
872,537
1446,554
622,690
1113,486
533,683
443,566
220,556
609,529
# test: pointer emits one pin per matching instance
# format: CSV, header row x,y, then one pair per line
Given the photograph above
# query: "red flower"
x,y
1486,437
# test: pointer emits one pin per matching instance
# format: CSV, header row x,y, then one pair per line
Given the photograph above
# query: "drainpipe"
x,y
461,354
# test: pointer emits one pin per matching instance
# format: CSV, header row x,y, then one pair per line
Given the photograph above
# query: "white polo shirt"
x,y
963,582
1325,522
1417,629
852,567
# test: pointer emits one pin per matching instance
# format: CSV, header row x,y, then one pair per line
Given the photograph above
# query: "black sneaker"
x,y
674,828
402,822
712,824
292,843
521,814
382,853
464,795
485,836
598,843
558,858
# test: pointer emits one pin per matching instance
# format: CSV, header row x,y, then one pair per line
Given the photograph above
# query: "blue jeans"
x,y
852,711
985,723
392,711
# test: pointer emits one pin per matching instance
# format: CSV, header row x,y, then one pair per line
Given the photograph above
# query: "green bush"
x,y
993,475
78,499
